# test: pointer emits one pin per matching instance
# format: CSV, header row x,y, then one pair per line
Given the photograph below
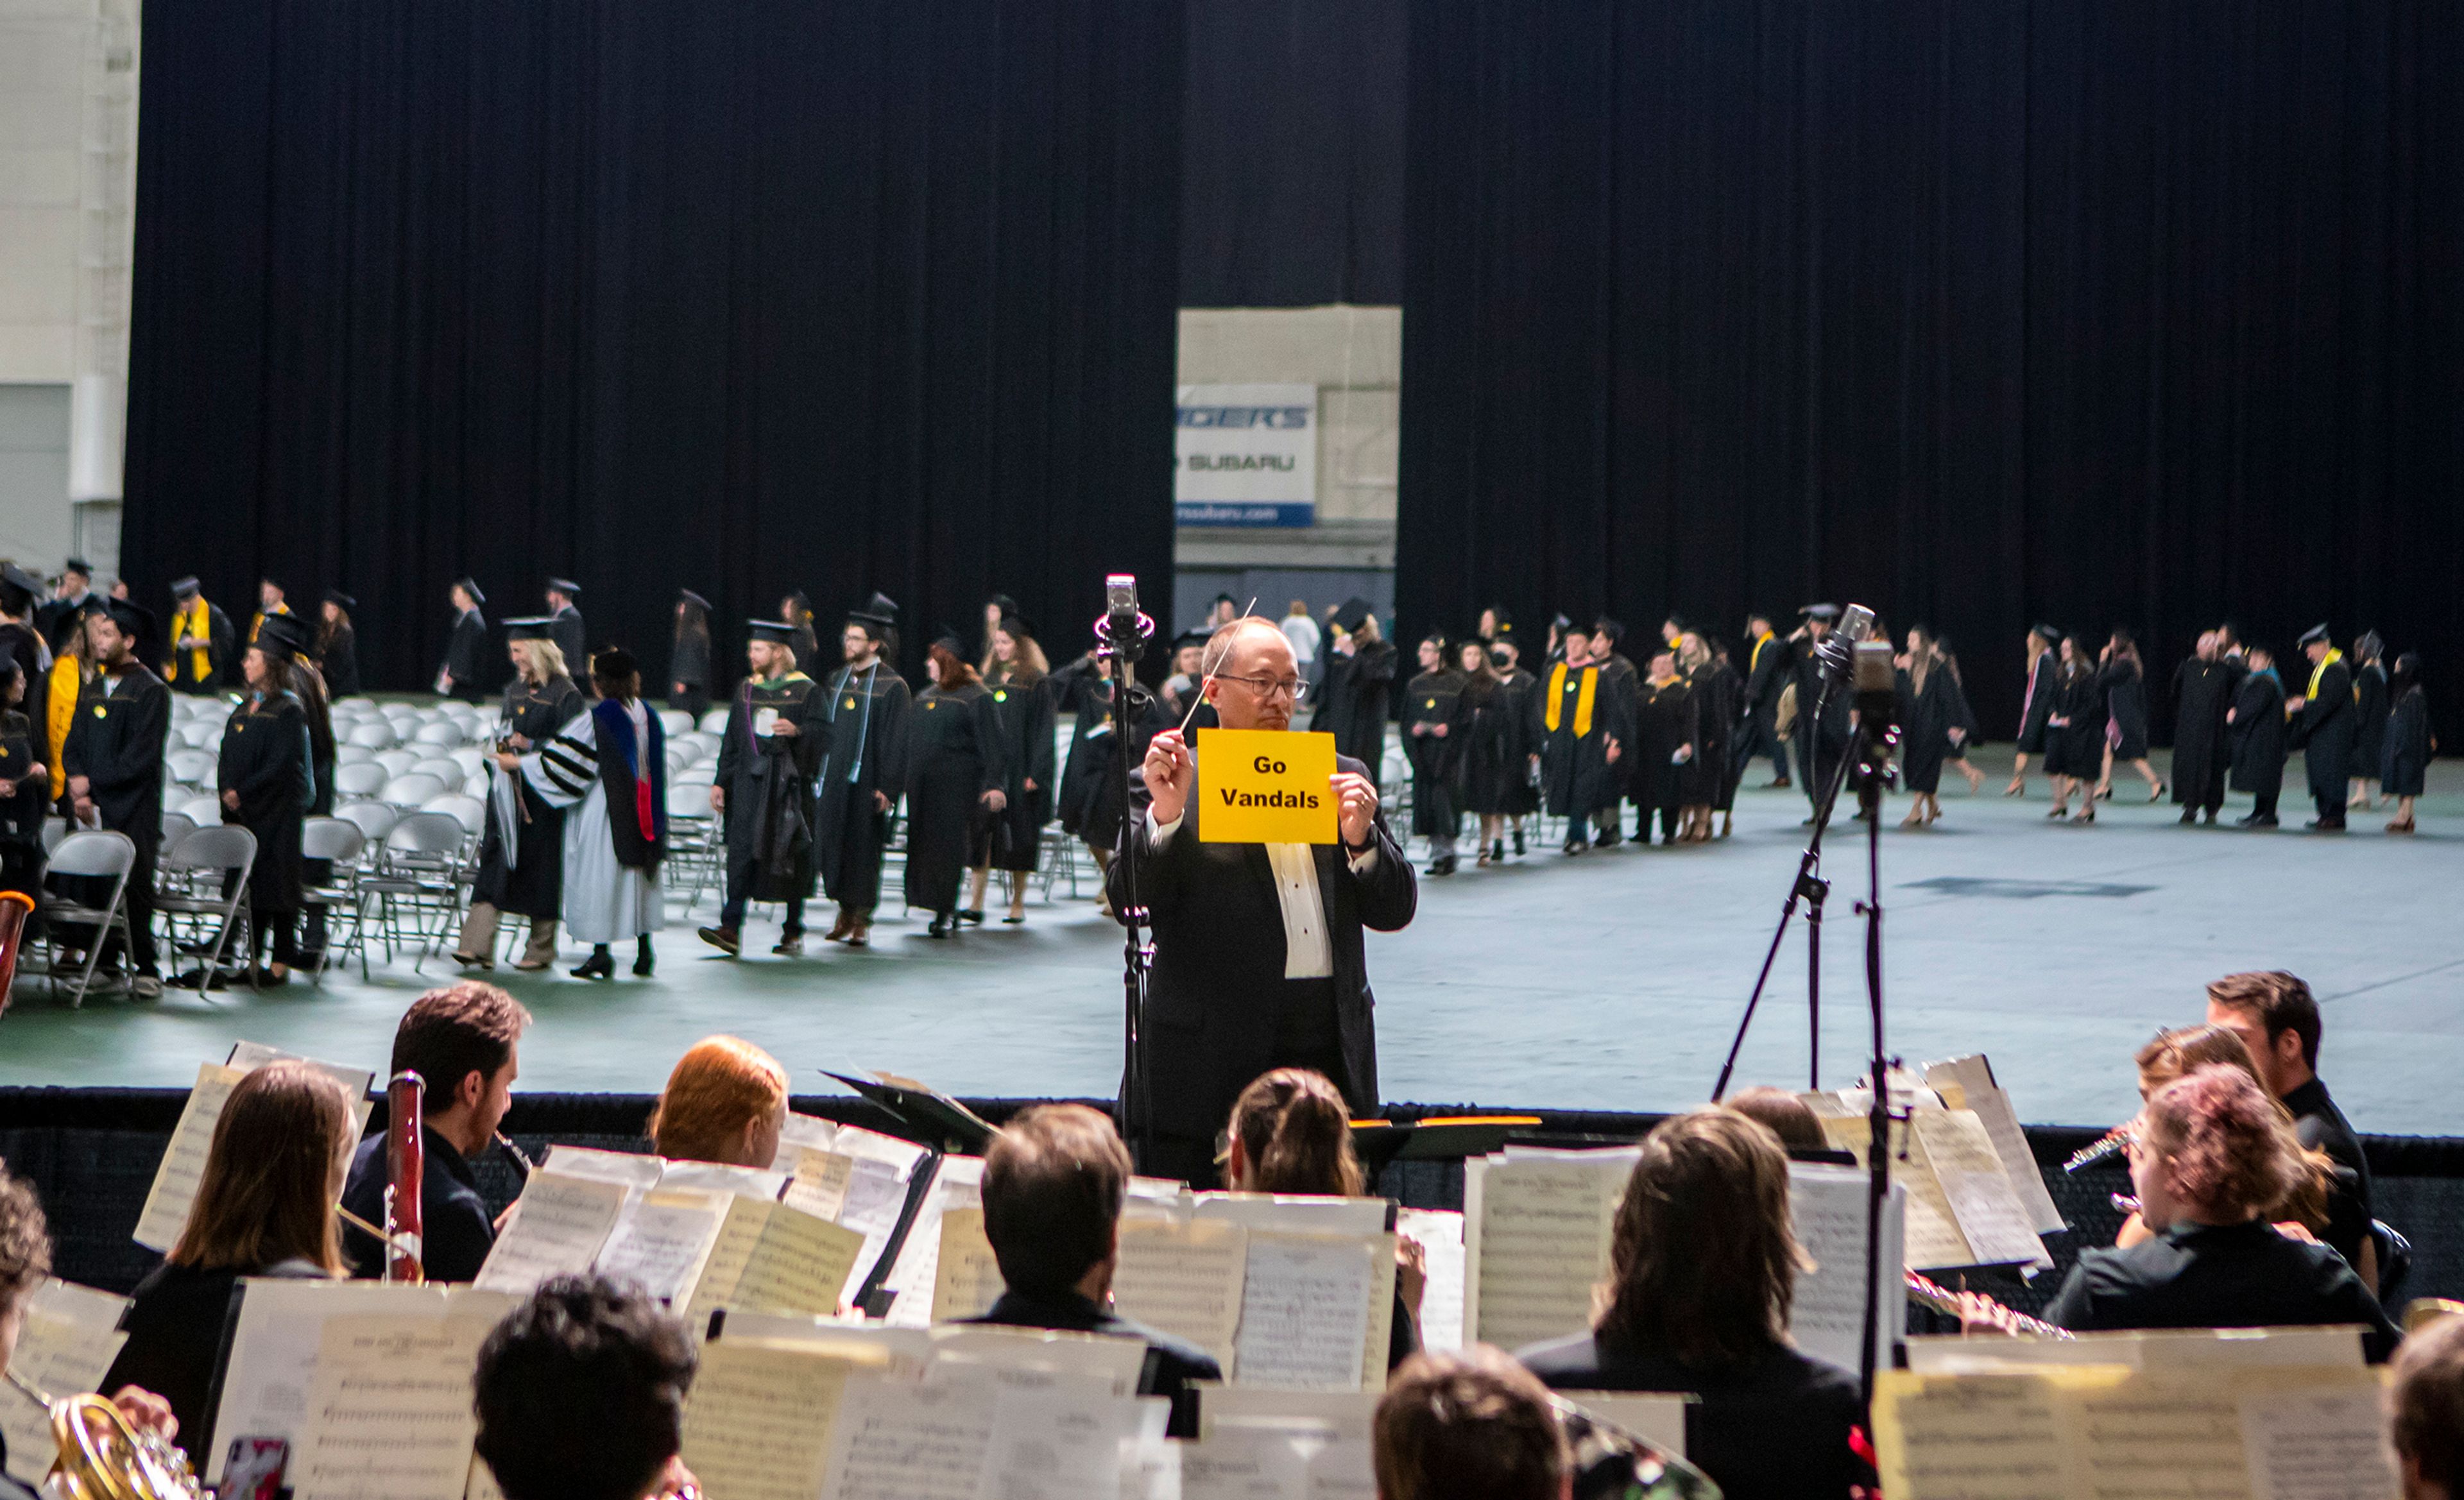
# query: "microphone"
x,y
1836,651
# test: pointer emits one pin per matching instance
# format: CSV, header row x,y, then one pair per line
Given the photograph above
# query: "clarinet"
x,y
524,1166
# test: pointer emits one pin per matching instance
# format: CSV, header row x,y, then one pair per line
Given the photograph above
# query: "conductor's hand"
x,y
1355,805
1170,774
718,799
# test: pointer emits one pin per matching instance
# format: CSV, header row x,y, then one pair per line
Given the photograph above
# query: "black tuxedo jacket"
x,y
1218,951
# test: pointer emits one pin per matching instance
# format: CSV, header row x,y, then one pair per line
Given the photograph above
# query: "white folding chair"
x,y
90,854
191,767
714,721
418,877
468,811
410,790
205,812
373,734
361,778
676,722
340,843
696,855
444,734
55,828
203,735
177,825
398,762
373,819
474,762
204,878
448,773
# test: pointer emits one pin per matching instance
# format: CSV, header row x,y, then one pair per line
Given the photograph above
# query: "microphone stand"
x,y
1871,754
1810,888
1119,644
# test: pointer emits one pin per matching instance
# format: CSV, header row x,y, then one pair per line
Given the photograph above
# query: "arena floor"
x,y
1612,981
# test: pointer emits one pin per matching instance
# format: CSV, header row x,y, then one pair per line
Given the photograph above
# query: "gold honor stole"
x,y
193,621
1582,699
2332,657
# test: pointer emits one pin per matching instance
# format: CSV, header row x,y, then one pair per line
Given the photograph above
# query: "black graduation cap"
x,y
127,616
777,632
18,588
471,587
530,628
948,640
1003,602
269,578
1354,610
694,599
1613,629
181,587
2316,635
1187,639
1226,599
566,586
340,600
1017,626
285,634
2047,633
878,612
614,661
78,565
1505,630
1440,636
1562,623
1820,611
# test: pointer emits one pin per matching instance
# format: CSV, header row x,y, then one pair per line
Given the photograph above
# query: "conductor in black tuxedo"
x,y
1258,956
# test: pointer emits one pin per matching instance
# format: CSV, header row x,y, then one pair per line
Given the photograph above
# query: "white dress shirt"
x,y
1308,955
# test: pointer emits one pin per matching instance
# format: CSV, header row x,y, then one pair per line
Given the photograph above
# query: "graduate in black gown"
x,y
1666,744
565,621
2369,717
1582,728
1710,779
689,657
2123,678
1089,803
25,792
2257,723
798,610
1819,744
1765,672
466,649
2323,725
2074,732
266,779
2203,691
2407,744
863,767
1181,691
521,850
65,611
1359,678
22,644
1495,772
200,658
1927,696
954,783
1022,713
337,645
112,755
775,734
1434,733
2035,702
1523,698
1617,672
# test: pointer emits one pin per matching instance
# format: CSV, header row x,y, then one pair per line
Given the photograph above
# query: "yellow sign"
x,y
1265,786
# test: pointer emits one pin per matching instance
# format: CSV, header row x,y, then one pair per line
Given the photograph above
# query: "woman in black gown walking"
x,y
1494,771
266,781
1020,687
2123,677
954,784
2074,732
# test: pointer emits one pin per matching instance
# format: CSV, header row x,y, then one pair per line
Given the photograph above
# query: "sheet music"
x,y
1972,1078
1827,1205
250,1056
1976,1437
966,1279
895,1441
900,1156
629,1168
770,1258
920,1254
1345,1414
717,1176
799,1134
876,1195
1343,1469
663,1242
1057,1444
818,1182
2328,1443
1537,1229
1304,1312
561,1224
1247,1462
759,1423
389,1412
1989,1214
175,1182
1440,1234
1931,1237
65,1345
1295,1213
2153,1438
2151,1349
1185,1278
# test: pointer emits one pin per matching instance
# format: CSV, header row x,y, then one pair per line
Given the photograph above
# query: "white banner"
x,y
1245,456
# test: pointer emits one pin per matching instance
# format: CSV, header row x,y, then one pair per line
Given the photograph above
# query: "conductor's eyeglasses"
x,y
1293,688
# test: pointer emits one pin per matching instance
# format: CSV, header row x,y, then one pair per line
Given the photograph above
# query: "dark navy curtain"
x,y
2091,311
730,296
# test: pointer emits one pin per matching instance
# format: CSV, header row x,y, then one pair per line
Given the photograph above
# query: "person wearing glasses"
x,y
1259,961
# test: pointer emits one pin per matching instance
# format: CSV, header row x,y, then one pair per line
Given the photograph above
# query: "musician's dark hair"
x,y
1295,1133
2278,1001
1054,1179
1702,1260
25,1240
267,1191
1474,1426
2230,1147
2426,1409
580,1392
1784,1115
449,1034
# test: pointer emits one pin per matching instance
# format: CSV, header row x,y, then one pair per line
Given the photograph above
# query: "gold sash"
x,y
1582,699
193,621
2332,657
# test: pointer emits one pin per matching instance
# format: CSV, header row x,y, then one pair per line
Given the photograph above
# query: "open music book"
x,y
65,1345
1967,1083
2069,1432
175,1180
395,1399
1961,1208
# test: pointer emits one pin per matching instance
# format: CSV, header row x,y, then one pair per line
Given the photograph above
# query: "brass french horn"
x,y
101,1457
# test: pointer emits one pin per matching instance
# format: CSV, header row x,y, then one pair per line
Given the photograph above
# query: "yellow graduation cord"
x,y
1582,699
